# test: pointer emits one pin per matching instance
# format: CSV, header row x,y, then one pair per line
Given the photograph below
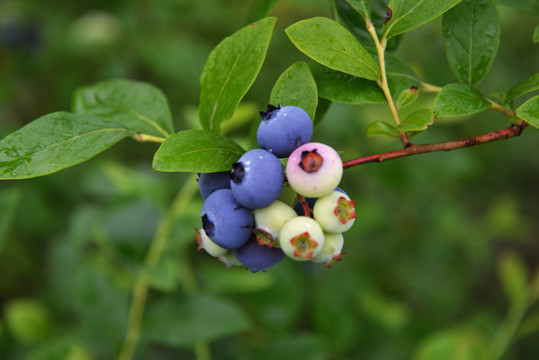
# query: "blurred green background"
x,y
440,263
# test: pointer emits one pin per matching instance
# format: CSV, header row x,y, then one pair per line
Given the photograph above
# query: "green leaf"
x,y
363,7
139,107
459,100
200,151
529,111
330,44
523,87
321,110
348,89
399,75
471,33
417,121
260,9
244,114
383,128
377,13
296,86
230,70
406,97
536,35
513,275
409,14
54,142
529,6
197,318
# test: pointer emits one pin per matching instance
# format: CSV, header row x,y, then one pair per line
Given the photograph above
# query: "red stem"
x,y
511,131
306,209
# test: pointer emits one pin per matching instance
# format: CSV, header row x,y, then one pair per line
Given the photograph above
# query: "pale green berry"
x,y
332,250
229,259
335,212
301,238
270,220
204,242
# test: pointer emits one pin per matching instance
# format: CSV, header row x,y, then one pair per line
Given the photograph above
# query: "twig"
x,y
513,130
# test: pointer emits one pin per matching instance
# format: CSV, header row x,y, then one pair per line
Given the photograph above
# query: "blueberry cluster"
x,y
244,223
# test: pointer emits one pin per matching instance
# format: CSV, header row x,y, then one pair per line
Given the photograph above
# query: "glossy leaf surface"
x,y
296,86
529,111
471,33
54,142
138,106
230,70
330,44
344,88
409,14
417,121
200,151
523,87
384,128
361,6
459,100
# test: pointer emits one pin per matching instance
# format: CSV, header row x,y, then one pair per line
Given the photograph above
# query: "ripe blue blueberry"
x,y
225,221
314,169
283,129
257,179
256,257
210,182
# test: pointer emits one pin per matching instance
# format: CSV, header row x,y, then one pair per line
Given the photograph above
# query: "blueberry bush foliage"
x,y
98,261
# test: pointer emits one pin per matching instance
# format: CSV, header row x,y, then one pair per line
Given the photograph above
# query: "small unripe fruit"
x,y
229,259
301,238
270,220
335,212
204,242
314,169
332,250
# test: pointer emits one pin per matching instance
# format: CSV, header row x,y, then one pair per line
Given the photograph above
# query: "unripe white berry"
x,y
332,249
301,238
335,212
204,242
270,220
